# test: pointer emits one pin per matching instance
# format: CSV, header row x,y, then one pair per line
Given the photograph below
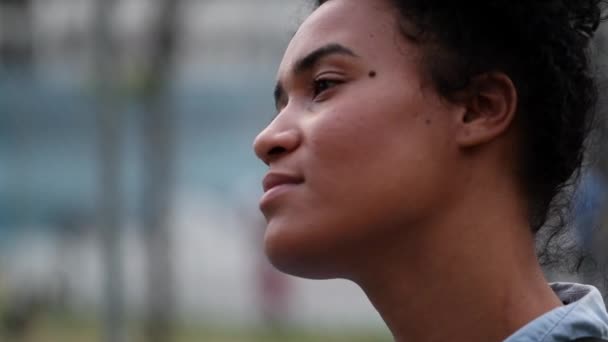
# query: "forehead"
x,y
368,27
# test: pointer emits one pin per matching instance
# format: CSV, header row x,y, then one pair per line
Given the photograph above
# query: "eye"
x,y
323,84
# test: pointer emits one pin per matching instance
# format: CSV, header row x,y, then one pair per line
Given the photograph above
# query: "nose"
x,y
273,143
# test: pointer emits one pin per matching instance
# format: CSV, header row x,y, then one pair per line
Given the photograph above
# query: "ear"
x,y
490,104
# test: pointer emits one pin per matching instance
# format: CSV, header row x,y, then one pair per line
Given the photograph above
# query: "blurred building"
x,y
225,52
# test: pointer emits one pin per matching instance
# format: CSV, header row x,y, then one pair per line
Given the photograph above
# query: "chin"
x,y
296,251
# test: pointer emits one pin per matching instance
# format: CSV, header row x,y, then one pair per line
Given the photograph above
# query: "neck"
x,y
472,275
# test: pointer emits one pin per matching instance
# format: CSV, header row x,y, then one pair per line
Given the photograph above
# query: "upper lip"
x,y
274,179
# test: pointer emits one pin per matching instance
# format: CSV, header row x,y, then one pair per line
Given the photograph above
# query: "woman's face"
x,y
361,143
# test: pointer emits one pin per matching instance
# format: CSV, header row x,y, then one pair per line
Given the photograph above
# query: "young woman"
x,y
417,150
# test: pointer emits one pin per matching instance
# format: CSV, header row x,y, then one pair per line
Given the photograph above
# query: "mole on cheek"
x,y
372,74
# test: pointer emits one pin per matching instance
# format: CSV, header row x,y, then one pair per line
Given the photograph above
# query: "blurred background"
x,y
128,185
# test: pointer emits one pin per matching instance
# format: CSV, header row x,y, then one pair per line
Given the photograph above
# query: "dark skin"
x,y
409,195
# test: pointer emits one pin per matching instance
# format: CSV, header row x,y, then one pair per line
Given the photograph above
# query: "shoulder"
x,y
582,315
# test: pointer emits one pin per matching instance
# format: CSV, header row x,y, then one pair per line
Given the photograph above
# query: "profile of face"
x,y
361,150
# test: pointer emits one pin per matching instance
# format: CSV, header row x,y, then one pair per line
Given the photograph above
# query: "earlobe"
x,y
491,104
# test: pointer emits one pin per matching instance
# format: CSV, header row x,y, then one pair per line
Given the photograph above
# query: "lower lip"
x,y
272,194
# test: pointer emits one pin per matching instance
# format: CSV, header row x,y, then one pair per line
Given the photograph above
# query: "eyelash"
x,y
317,86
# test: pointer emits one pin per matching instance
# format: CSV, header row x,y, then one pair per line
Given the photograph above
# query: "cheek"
x,y
332,136
374,158
361,137
375,123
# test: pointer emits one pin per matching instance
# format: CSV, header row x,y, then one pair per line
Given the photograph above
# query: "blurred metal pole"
x,y
110,205
158,128
16,57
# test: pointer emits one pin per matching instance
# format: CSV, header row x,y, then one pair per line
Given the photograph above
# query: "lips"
x,y
273,180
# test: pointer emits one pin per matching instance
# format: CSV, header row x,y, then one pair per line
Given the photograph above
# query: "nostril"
x,y
276,151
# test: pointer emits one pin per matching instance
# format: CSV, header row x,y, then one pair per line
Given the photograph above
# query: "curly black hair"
x,y
543,46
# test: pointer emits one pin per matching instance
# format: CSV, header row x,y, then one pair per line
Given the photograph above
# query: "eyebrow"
x,y
313,58
310,61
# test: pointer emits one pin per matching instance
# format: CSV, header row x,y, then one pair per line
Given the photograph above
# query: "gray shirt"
x,y
583,315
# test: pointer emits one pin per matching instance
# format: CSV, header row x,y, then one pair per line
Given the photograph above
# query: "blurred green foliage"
x,y
61,328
